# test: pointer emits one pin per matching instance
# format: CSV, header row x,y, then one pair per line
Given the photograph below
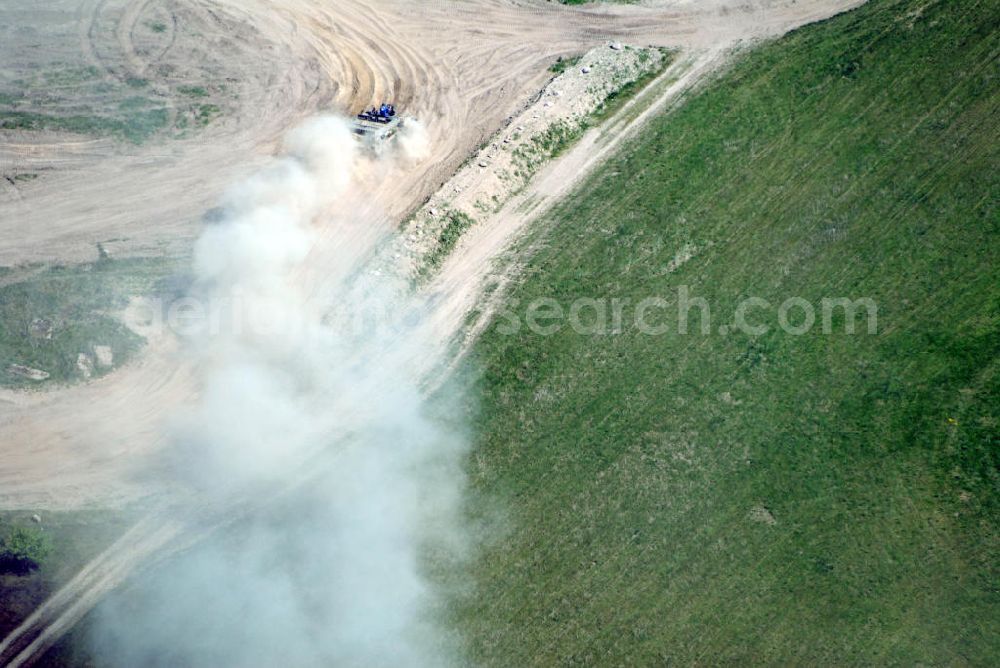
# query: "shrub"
x,y
24,548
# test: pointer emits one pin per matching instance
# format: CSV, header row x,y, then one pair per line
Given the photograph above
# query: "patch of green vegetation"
x,y
563,64
141,125
457,222
135,125
206,113
192,91
134,103
50,100
158,27
81,99
69,76
24,120
824,499
546,145
53,316
619,97
584,2
556,138
23,549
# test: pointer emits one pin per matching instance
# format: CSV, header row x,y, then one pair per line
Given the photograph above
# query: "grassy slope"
x,y
857,157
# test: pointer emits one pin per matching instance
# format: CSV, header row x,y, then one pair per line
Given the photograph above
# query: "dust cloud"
x,y
414,142
340,480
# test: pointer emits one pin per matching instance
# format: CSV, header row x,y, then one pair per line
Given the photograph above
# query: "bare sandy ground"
x,y
461,66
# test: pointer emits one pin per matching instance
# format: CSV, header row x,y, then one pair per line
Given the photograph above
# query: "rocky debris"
x,y
681,258
727,398
553,119
40,328
37,519
105,357
27,372
762,515
85,365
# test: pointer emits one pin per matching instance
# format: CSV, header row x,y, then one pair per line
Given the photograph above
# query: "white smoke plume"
x,y
316,434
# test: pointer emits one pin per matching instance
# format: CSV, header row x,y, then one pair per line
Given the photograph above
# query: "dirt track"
x,y
462,66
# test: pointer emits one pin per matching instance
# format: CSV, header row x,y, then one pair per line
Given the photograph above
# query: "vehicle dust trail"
x,y
292,387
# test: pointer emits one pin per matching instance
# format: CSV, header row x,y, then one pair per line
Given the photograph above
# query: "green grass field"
x,y
825,499
49,316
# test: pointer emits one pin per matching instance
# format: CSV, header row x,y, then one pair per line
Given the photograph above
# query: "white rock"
x,y
585,70
762,515
41,328
85,365
616,46
105,357
27,372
